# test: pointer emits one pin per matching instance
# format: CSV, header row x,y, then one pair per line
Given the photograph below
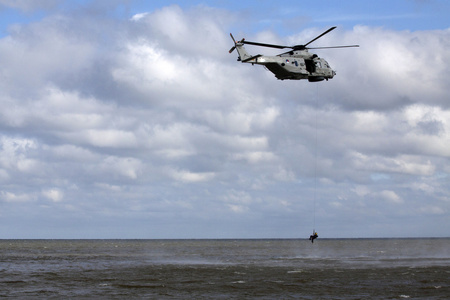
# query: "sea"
x,y
226,269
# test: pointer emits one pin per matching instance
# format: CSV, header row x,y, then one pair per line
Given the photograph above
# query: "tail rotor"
x,y
240,43
234,47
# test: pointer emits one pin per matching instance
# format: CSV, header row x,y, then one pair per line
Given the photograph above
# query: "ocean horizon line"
x,y
218,239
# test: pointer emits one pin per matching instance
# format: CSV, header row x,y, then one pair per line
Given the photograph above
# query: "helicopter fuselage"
x,y
296,66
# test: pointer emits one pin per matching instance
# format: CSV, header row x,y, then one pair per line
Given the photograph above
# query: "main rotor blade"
x,y
332,28
265,45
349,46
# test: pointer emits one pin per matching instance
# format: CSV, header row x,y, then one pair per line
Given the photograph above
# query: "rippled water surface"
x,y
266,269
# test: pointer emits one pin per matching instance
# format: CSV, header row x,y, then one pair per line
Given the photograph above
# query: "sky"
x,y
130,119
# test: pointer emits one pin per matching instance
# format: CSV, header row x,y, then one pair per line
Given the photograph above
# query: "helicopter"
x,y
295,64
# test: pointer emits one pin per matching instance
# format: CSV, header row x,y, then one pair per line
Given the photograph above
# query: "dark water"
x,y
224,269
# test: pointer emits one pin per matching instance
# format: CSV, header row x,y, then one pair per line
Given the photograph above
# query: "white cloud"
x,y
53,194
391,197
241,121
107,138
191,177
255,156
14,154
148,67
405,164
238,201
124,166
14,198
361,191
391,68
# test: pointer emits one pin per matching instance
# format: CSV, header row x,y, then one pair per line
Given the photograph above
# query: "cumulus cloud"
x,y
151,118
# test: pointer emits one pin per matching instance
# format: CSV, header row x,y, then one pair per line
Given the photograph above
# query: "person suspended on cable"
x,y
313,237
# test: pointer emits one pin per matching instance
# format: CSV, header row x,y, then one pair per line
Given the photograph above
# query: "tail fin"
x,y
239,46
